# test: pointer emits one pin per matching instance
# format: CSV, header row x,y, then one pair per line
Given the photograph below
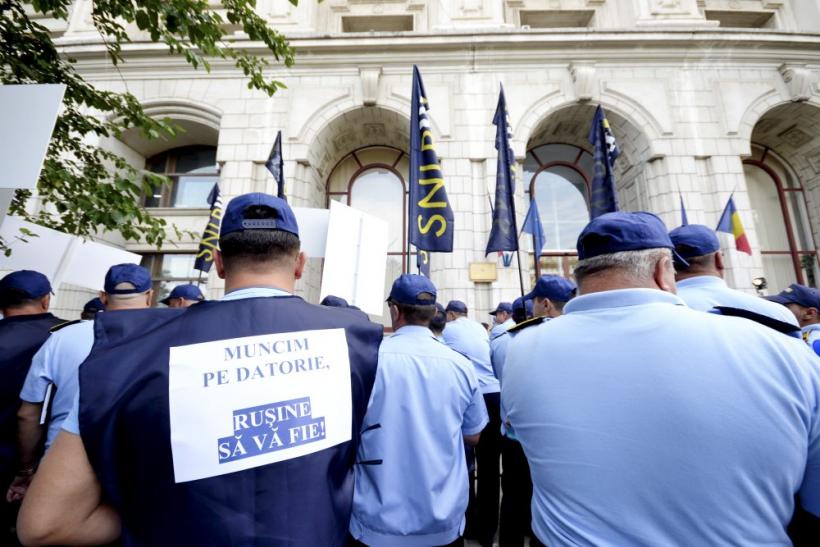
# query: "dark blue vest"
x,y
124,424
20,338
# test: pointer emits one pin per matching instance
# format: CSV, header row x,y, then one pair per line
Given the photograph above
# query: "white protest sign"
x,y
27,117
245,402
312,230
89,262
356,258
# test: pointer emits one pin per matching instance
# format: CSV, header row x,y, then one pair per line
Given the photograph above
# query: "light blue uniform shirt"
x,y
470,339
648,423
71,423
57,363
498,330
704,292
498,343
811,335
424,399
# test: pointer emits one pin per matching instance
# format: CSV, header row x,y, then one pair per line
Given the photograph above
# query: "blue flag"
x,y
504,234
603,198
276,164
423,263
430,219
684,221
210,238
532,225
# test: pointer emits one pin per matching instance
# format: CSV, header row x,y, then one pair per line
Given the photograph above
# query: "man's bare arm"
x,y
63,505
29,437
471,440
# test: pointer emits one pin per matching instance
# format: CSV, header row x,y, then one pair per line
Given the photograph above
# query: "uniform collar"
x,y
703,281
809,328
30,317
254,292
414,330
621,298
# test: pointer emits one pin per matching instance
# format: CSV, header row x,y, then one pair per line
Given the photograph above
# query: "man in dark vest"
x,y
232,422
25,297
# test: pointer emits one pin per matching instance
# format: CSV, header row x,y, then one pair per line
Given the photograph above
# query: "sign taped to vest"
x,y
246,402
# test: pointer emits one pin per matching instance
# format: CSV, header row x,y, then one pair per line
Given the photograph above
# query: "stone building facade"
x,y
706,98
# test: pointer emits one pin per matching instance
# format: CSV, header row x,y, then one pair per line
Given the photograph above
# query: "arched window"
x,y
193,172
558,177
373,179
781,220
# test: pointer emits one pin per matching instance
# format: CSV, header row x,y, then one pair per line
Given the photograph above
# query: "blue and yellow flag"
x,y
504,234
430,218
603,197
275,165
210,239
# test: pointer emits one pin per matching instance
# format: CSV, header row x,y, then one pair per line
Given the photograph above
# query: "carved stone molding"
x,y
798,80
370,84
583,80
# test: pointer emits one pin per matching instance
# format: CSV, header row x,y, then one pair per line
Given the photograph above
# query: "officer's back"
x,y
185,446
648,423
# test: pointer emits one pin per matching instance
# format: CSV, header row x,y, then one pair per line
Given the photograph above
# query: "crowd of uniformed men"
x,y
649,405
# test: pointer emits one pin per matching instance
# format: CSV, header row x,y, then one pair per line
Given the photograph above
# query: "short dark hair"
x,y
13,298
253,248
418,314
438,321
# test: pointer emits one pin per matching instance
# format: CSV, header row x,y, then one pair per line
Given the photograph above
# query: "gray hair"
x,y
637,264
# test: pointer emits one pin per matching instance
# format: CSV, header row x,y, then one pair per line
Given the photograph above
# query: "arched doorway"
x,y
783,182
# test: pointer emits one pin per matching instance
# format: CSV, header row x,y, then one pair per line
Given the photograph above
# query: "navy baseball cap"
x,y
622,231
522,305
694,240
502,306
798,294
28,282
457,306
137,276
187,291
233,220
553,287
408,287
334,302
93,306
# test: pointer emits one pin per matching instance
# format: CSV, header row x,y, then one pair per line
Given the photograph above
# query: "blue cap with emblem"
x,y
410,288
553,287
187,291
798,294
694,240
502,306
622,231
29,283
457,306
137,279
234,218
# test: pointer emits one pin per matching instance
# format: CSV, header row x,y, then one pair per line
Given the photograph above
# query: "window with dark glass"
x,y
193,173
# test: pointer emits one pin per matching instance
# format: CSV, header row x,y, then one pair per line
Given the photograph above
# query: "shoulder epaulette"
x,y
528,323
59,326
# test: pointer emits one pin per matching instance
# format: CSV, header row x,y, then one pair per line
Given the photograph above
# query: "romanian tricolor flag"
x,y
730,223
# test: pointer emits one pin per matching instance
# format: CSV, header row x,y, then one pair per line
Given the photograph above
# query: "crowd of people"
x,y
650,404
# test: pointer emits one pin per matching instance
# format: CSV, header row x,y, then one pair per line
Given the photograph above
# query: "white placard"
x,y
312,230
245,402
27,117
356,258
44,253
89,261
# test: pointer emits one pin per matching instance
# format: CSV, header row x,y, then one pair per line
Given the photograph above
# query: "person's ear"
x,y
45,302
149,298
664,275
220,265
719,265
301,260
104,298
811,315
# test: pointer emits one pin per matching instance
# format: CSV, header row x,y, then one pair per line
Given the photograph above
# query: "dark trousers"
x,y
516,495
482,517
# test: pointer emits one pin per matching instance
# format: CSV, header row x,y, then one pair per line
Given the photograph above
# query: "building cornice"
x,y
484,49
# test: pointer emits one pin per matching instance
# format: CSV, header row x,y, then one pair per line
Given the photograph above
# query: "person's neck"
x,y
612,283
246,280
26,310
